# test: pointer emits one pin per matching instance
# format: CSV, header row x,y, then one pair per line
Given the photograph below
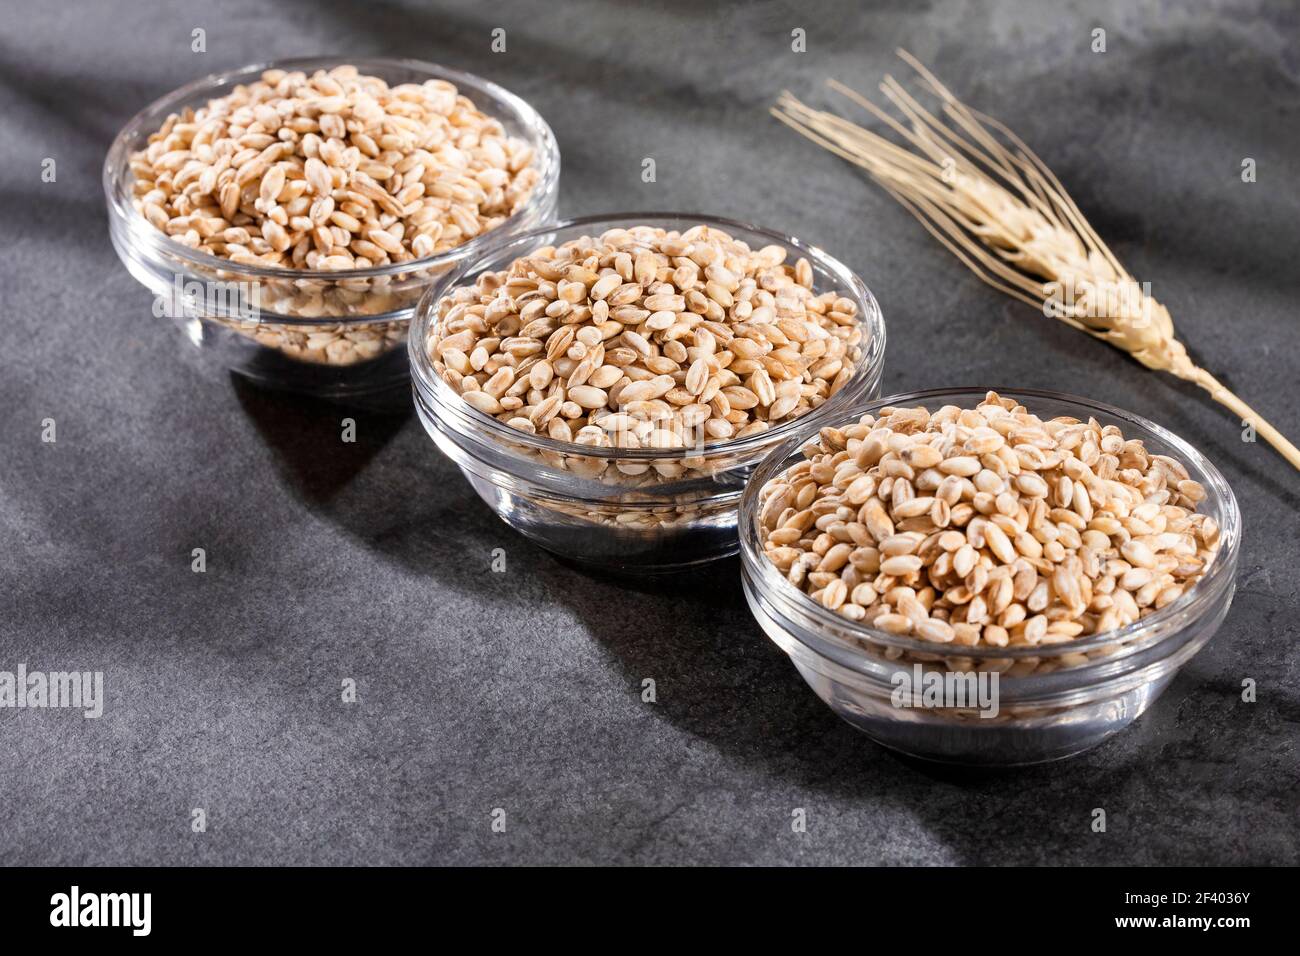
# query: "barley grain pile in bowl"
x,y
606,384
289,216
1049,560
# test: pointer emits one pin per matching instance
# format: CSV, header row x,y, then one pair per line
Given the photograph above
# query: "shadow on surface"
x,y
390,488
721,681
299,427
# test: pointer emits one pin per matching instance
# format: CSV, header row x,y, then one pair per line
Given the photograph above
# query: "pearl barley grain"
x,y
644,338
328,171
321,173
1057,530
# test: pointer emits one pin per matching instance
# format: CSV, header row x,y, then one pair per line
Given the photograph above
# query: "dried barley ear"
x,y
984,194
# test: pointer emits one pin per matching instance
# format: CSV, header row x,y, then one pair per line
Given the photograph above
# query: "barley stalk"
x,y
984,194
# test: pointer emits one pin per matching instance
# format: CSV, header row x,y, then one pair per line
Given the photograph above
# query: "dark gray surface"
x,y
522,690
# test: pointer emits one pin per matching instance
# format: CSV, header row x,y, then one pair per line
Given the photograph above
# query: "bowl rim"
x,y
116,175
447,403
772,584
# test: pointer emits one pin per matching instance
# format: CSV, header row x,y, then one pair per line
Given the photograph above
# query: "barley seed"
x,y
620,328
390,163
1058,530
325,172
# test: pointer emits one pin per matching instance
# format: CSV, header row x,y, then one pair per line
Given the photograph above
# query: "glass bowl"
x,y
334,334
620,509
1051,701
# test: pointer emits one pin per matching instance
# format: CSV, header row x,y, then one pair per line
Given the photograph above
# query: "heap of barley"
x,y
986,526
642,338
331,171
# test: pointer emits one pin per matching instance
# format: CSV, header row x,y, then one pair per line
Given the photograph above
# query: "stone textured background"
x,y
521,690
